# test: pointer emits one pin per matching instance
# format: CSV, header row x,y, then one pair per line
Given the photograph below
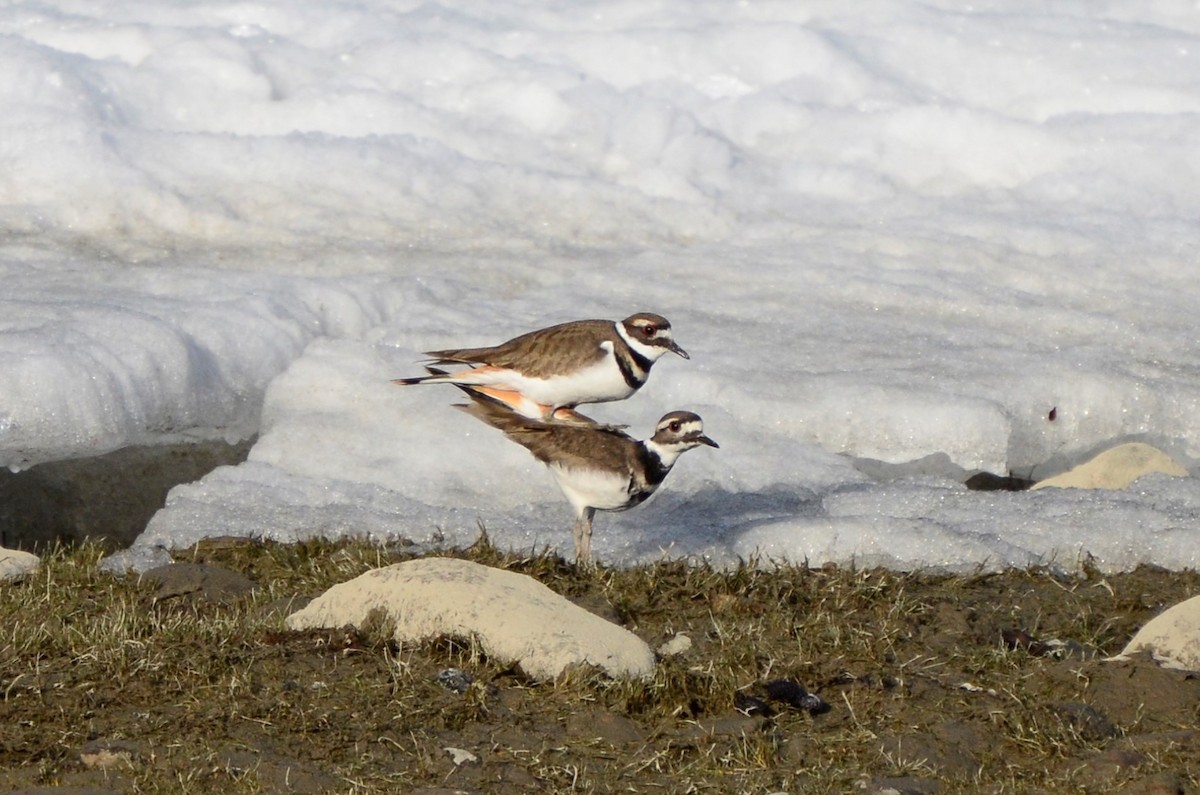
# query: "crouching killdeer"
x,y
544,374
597,468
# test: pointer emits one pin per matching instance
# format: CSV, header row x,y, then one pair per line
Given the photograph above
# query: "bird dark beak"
x,y
676,349
702,439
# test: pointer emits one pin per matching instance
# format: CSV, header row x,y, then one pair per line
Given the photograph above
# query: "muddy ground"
x,y
930,684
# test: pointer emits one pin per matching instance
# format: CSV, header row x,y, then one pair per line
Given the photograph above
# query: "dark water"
x,y
109,497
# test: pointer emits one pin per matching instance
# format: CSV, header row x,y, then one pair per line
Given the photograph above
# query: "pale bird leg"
x,y
583,538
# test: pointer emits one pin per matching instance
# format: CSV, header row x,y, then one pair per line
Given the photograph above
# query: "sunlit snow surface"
x,y
884,231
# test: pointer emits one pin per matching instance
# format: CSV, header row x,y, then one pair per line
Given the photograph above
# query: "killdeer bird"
x,y
597,468
546,373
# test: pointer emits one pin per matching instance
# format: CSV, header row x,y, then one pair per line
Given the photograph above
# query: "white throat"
x,y
668,453
651,352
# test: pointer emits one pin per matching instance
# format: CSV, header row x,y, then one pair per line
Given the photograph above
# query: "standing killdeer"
x,y
597,468
546,373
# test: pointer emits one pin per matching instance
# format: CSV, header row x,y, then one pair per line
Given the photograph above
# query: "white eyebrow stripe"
x,y
689,426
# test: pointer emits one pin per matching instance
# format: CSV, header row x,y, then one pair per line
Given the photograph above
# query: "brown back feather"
x,y
540,353
571,446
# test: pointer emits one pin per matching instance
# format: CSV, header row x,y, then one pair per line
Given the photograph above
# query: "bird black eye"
x,y
650,329
674,426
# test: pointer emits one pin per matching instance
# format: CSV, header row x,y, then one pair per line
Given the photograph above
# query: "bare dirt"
x,y
187,682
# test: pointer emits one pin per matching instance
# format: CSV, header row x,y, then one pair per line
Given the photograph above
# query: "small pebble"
x,y
455,679
795,695
678,645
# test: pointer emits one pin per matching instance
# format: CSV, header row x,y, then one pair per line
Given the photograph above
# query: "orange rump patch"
x,y
515,401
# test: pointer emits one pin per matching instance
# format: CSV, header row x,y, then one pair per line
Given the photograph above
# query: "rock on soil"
x,y
198,582
513,617
1172,637
15,564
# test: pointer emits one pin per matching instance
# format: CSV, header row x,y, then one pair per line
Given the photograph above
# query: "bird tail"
x,y
493,410
489,401
467,381
421,379
436,376
493,406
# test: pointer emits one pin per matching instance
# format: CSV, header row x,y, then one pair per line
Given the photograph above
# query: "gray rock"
x,y
198,581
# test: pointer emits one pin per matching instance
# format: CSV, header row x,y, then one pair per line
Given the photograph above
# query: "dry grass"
x,y
103,685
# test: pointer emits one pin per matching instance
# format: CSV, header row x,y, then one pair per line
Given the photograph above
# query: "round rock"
x,y
1172,637
15,564
514,618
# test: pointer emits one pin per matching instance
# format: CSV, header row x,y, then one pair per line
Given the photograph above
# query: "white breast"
x,y
607,491
598,383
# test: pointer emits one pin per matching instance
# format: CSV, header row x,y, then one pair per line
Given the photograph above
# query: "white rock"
x,y
678,645
1172,637
15,564
514,618
1116,468
461,756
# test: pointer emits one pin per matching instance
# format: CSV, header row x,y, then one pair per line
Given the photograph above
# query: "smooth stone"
x,y
198,582
1116,468
1172,637
514,618
16,563
677,646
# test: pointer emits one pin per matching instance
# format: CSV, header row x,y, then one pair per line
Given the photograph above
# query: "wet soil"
x,y
932,684
110,497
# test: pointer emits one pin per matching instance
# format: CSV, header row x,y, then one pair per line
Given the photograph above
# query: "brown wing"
x,y
571,446
541,353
